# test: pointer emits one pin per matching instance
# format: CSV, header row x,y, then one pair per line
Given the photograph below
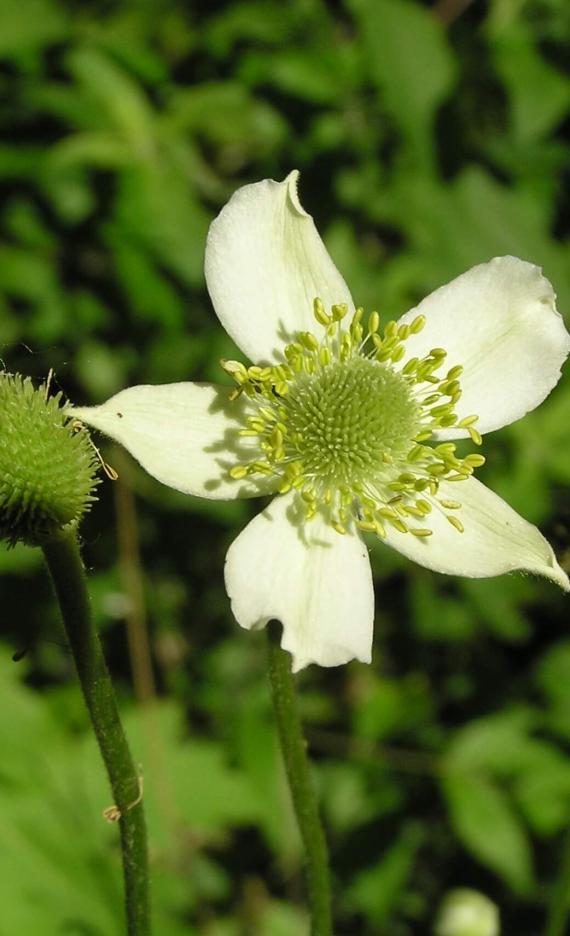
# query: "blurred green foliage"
x,y
428,142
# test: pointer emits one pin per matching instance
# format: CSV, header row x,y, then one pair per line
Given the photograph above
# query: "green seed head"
x,y
349,417
348,421
47,464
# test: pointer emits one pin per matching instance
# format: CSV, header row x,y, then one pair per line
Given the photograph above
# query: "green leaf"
x,y
27,26
376,890
539,94
409,59
121,99
488,827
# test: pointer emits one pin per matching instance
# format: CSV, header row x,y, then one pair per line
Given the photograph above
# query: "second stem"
x,y
294,749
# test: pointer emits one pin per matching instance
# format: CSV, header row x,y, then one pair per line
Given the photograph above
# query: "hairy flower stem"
x,y
66,567
294,749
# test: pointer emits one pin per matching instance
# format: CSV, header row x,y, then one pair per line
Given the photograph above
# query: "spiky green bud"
x,y
48,466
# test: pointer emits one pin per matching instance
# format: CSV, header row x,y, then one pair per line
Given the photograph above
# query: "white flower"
x,y
347,423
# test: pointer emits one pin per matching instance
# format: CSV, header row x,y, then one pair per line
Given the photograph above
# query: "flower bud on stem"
x,y
48,470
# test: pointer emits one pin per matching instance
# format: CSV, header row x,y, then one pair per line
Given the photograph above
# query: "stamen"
x,y
340,422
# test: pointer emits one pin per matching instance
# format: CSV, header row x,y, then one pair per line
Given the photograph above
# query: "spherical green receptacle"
x,y
48,466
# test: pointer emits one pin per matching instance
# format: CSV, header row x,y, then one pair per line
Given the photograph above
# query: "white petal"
x,y
317,582
265,264
496,538
499,321
183,434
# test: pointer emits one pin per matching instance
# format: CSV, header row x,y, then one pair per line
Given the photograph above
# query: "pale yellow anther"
x,y
416,453
384,353
238,472
450,504
410,366
373,323
404,332
234,367
324,357
417,324
475,460
454,372
445,448
367,526
356,331
277,437
424,505
449,387
398,524
345,347
421,532
321,315
338,527
467,421
441,410
476,436
255,423
340,310
391,329
456,522
412,511
398,353
262,467
308,341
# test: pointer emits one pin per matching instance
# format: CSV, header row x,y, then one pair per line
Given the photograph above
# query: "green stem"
x,y
294,749
559,908
66,567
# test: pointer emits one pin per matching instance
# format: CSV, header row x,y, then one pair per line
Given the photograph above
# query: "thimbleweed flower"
x,y
350,421
466,912
47,464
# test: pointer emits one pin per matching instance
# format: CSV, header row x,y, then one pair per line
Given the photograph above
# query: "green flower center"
x,y
347,419
344,420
